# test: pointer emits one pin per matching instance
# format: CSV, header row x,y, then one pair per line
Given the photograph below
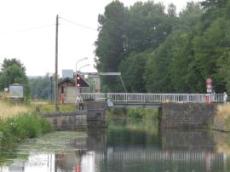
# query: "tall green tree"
x,y
165,52
124,32
110,43
148,26
133,70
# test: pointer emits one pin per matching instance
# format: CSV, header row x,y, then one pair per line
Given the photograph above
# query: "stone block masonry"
x,y
96,114
187,115
67,120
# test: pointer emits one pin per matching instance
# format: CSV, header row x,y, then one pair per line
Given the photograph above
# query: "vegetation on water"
x,y
158,50
53,142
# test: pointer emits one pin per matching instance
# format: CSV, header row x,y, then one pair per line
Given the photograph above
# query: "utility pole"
x,y
56,65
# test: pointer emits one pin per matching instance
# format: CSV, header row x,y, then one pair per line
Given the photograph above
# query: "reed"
x,y
9,110
223,111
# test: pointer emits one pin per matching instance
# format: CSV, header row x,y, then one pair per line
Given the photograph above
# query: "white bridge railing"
x,y
154,97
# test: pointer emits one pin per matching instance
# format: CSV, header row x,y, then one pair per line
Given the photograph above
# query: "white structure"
x,y
127,98
16,91
67,73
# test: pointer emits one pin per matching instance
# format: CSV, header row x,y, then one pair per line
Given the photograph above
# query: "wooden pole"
x,y
56,65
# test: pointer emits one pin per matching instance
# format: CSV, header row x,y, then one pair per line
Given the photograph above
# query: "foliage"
x,y
13,71
132,69
136,121
110,47
144,114
17,129
50,107
9,110
135,114
165,52
40,87
124,32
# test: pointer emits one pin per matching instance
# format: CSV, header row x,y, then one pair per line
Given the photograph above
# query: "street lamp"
x,y
80,60
83,66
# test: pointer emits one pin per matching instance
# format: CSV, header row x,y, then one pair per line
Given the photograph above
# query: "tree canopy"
x,y
13,71
158,50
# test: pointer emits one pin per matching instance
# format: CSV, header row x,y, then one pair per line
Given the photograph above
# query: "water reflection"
x,y
124,148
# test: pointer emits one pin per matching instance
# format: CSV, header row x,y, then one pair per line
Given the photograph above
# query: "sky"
x,y
27,32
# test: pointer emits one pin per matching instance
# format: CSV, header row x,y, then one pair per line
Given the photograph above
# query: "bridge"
x,y
159,155
176,110
152,99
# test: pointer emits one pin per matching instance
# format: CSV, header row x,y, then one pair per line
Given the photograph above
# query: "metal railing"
x,y
154,97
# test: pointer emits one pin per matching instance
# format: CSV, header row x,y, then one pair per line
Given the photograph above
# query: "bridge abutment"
x,y
93,116
187,115
96,114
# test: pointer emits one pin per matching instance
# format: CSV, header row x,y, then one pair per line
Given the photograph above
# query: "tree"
x,y
169,52
190,17
148,26
110,42
124,32
133,70
13,71
172,10
40,87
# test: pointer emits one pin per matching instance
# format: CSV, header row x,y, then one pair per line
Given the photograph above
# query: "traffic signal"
x,y
80,82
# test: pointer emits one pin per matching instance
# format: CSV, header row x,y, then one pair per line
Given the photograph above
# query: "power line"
x,y
78,25
27,29
35,28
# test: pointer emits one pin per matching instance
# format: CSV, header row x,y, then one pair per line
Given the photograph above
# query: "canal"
x,y
127,145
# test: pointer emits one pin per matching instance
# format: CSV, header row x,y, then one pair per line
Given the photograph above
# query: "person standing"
x,y
77,102
225,97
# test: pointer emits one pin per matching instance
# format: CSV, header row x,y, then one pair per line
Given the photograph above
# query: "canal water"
x,y
125,146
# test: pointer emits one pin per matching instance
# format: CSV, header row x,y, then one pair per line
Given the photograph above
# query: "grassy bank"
x,y
43,106
222,118
16,129
18,122
9,110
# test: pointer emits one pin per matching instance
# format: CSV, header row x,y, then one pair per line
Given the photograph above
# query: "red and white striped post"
x,y
209,89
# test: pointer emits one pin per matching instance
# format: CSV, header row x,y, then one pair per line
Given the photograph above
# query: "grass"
x,y
223,111
9,110
19,128
43,106
223,115
18,122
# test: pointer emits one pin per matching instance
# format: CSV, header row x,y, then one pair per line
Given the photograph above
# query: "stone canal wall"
x,y
96,111
67,120
187,115
92,116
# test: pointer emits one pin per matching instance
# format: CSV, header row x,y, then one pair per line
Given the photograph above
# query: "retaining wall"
x,y
67,120
96,113
187,115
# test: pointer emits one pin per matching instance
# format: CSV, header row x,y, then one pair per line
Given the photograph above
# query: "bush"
x,y
144,114
15,130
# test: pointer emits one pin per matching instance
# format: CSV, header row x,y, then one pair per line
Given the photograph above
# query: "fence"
x,y
154,97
